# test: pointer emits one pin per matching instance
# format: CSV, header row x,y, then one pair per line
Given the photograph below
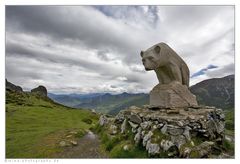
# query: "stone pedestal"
x,y
173,95
189,132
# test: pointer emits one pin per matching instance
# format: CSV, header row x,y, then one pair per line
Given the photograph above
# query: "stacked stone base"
x,y
192,132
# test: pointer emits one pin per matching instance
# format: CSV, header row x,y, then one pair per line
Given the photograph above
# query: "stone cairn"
x,y
173,124
179,132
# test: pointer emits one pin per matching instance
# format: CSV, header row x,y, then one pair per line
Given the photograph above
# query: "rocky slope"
x,y
12,87
217,92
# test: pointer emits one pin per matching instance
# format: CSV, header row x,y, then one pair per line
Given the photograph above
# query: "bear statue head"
x,y
151,58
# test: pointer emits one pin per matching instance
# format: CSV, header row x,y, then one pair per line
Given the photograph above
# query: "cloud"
x,y
121,78
104,55
96,48
137,68
96,32
222,71
132,14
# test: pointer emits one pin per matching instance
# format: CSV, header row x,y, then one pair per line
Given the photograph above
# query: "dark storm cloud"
x,y
54,22
42,19
99,32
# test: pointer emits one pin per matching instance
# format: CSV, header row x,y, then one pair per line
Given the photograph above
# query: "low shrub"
x,y
80,133
228,146
87,121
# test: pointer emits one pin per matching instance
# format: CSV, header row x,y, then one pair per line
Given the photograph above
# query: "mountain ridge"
x,y
217,92
211,92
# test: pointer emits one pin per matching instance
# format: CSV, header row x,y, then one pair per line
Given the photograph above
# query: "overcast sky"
x,y
82,49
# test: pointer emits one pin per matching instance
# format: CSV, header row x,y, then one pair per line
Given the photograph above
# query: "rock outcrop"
x,y
12,87
192,132
40,90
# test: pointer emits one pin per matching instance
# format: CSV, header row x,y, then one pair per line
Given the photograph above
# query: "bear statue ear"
x,y
157,49
141,53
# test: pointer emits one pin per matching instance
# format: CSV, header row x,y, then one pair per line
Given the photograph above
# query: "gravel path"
x,y
88,147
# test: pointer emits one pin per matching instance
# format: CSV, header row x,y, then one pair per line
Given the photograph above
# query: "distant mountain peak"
x,y
125,93
107,94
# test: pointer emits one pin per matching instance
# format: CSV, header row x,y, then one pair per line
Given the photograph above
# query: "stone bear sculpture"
x,y
173,76
166,63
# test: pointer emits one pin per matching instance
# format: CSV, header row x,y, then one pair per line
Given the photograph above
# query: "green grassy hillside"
x,y
35,125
